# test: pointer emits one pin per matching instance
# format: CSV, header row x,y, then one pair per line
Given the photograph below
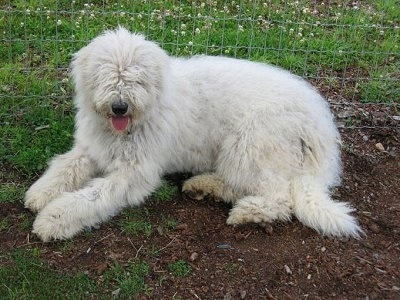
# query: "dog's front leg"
x,y
98,201
66,173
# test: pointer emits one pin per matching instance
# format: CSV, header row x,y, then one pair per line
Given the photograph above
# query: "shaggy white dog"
x,y
260,138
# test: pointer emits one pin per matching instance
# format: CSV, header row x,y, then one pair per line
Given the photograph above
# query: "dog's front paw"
x,y
203,186
36,199
56,222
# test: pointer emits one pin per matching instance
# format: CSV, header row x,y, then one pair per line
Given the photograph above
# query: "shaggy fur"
x,y
259,138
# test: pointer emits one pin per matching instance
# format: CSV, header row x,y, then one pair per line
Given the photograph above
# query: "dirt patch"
x,y
281,261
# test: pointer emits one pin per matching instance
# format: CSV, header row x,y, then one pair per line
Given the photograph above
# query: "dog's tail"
x,y
314,208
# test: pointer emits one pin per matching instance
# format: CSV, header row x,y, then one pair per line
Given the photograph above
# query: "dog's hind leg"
x,y
66,173
210,185
253,161
268,200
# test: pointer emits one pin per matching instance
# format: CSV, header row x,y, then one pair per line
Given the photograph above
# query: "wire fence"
x,y
348,49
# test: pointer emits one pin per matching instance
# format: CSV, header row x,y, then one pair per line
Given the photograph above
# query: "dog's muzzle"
x,y
119,121
119,108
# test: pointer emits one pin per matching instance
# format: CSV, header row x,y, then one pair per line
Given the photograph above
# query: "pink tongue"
x,y
120,123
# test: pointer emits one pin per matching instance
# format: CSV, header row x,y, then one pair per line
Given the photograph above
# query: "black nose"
x,y
119,108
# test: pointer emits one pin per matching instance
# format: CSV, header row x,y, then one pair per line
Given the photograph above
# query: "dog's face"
x,y
120,76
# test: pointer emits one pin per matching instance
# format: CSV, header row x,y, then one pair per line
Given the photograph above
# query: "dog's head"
x,y
120,76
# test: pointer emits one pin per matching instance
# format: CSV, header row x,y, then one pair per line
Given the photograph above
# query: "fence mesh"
x,y
348,49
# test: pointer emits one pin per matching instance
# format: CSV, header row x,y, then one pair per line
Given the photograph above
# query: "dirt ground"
x,y
281,261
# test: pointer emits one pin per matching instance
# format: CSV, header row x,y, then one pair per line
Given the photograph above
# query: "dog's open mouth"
x,y
120,123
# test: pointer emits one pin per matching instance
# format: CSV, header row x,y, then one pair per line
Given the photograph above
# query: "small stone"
x,y
374,228
116,292
224,246
323,249
243,294
182,226
101,268
365,138
346,114
380,147
287,270
309,276
193,256
268,229
227,296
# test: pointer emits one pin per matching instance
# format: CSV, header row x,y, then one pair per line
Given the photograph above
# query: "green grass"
x,y
4,225
28,277
166,191
128,281
135,221
11,192
179,268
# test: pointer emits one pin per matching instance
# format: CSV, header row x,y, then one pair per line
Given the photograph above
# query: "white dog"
x,y
260,138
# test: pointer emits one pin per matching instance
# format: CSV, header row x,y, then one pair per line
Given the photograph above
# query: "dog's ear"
x,y
78,66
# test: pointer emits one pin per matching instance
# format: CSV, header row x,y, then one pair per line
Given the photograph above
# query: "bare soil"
x,y
281,261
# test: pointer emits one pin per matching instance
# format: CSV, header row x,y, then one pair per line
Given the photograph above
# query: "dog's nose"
x,y
119,108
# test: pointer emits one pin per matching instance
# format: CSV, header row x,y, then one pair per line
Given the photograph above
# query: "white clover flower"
x,y
190,43
197,31
183,26
240,28
59,22
183,33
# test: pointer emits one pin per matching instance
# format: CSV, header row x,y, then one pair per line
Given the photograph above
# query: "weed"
x,y
170,223
231,268
166,191
136,222
12,193
65,246
131,280
25,221
179,268
4,225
